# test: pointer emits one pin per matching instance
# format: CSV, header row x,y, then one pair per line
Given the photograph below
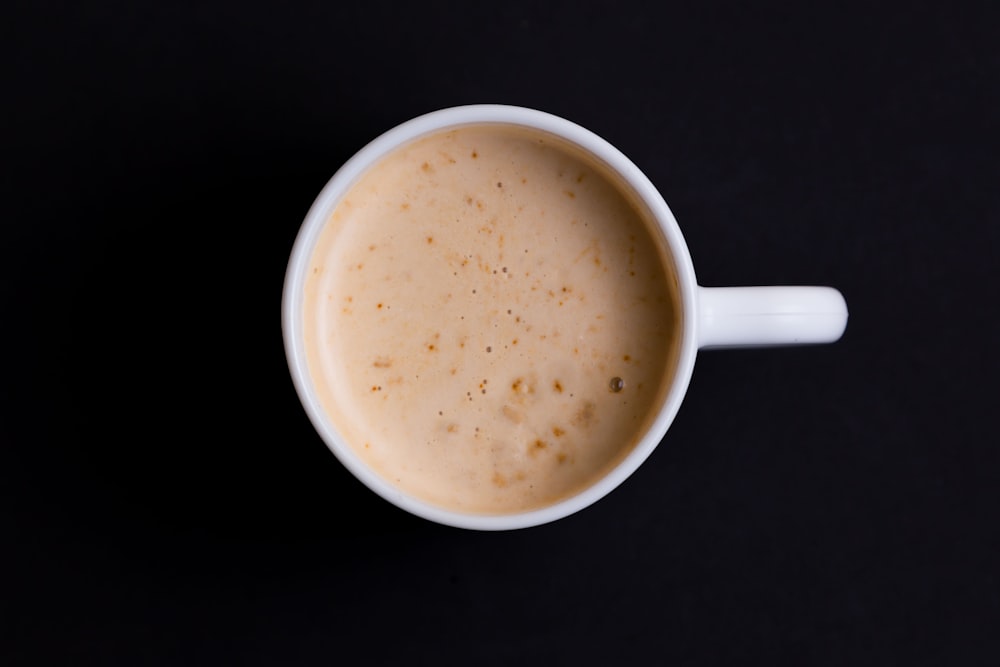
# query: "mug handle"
x,y
769,316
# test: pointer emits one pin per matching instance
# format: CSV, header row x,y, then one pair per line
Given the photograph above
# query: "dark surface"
x,y
164,500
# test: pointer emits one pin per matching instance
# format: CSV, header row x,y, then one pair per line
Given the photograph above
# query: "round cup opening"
x,y
629,180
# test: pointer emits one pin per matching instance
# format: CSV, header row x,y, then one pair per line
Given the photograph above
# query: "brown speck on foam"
x,y
430,239
558,432
513,414
585,416
570,194
499,480
557,386
426,167
475,154
382,362
626,358
489,348
499,184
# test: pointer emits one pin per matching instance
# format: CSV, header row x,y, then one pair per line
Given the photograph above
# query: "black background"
x,y
164,500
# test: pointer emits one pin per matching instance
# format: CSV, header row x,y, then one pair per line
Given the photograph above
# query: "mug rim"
x,y
341,182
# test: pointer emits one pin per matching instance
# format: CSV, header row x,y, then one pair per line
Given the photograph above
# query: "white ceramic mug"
x,y
710,317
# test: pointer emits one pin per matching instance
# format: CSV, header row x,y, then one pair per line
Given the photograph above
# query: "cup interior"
x,y
618,169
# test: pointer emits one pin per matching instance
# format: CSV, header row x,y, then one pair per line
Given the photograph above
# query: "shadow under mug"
x,y
711,317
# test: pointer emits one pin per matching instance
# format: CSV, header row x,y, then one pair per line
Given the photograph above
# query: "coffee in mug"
x,y
489,319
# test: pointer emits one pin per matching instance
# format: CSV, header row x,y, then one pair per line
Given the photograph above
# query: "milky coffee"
x,y
488,320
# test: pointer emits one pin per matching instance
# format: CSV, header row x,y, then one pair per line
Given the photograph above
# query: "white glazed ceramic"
x,y
710,317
